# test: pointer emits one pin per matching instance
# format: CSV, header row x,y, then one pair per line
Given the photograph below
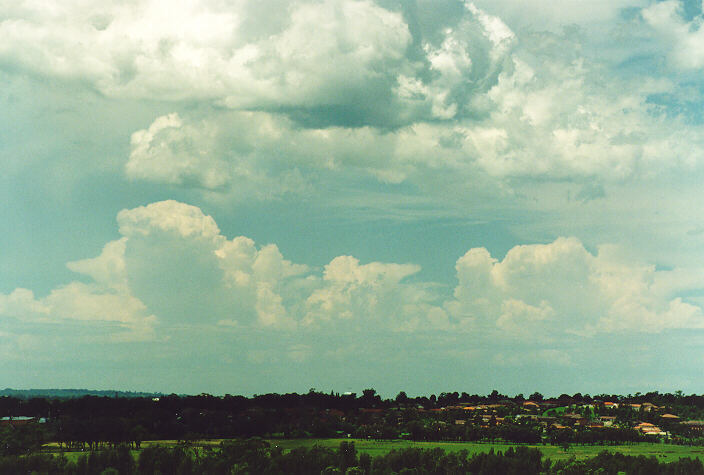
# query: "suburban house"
x,y
649,429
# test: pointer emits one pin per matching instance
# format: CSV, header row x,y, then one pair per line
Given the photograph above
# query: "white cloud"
x,y
245,265
685,39
516,315
245,153
557,288
86,302
465,63
107,301
172,263
21,303
321,53
556,119
260,276
170,152
346,85
266,155
168,216
512,108
353,291
108,268
330,51
124,317
181,265
375,295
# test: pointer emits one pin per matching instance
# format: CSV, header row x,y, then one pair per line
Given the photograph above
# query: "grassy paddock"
x,y
664,452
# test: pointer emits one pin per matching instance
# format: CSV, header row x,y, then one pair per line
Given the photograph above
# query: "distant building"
x,y
647,428
19,420
608,421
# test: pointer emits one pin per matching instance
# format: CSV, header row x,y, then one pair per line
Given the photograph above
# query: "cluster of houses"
x,y
551,415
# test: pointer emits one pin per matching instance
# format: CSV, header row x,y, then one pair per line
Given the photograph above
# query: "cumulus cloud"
x,y
173,268
107,301
685,38
108,268
121,316
263,274
265,155
20,303
307,54
246,153
181,266
336,62
170,217
374,291
462,65
349,85
170,152
494,109
550,289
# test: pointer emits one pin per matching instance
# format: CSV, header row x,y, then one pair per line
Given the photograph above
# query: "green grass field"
x,y
664,452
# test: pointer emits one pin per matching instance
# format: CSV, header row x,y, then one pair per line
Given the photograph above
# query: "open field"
x,y
664,452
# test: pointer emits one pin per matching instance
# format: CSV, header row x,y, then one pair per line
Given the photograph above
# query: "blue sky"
x,y
243,197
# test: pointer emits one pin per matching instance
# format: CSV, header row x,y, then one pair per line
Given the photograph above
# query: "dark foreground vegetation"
x,y
256,456
108,432
92,422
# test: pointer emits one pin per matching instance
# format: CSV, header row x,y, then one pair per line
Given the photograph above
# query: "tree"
x,y
348,455
21,439
137,435
536,396
370,398
402,398
365,462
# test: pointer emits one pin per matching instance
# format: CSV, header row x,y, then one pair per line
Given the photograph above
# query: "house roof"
x,y
694,423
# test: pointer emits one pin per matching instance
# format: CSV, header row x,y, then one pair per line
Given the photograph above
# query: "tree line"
x,y
93,422
256,457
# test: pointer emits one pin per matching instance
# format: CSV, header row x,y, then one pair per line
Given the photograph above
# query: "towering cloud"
x,y
548,289
173,264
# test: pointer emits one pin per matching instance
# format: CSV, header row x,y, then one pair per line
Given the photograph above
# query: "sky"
x,y
243,197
